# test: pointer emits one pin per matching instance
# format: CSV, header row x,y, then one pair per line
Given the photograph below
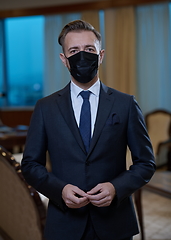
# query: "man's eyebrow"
x,y
77,47
89,45
74,47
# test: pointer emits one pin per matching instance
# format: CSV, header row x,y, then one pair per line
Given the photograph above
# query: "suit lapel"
x,y
65,106
106,101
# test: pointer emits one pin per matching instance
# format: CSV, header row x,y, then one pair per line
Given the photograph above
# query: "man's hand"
x,y
74,197
102,195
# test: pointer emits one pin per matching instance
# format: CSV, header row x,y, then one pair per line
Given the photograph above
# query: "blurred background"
x,y
136,36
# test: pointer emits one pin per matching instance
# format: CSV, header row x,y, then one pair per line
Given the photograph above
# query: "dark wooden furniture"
x,y
159,184
12,117
164,152
13,138
138,205
71,6
159,127
14,124
22,213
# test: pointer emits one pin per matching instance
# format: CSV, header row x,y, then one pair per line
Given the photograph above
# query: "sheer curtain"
x,y
153,57
92,17
56,75
120,49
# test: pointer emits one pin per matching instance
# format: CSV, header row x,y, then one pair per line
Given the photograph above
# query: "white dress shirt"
x,y
77,101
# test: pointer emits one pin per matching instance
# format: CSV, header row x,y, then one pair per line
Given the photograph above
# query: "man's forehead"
x,y
81,37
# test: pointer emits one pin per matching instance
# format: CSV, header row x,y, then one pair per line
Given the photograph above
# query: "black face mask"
x,y
83,66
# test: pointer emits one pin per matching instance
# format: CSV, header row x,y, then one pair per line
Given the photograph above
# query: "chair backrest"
x,y
22,213
158,124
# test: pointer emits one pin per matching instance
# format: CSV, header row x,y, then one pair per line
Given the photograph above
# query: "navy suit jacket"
x,y
53,128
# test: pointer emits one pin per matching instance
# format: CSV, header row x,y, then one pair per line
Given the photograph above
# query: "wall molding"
x,y
75,7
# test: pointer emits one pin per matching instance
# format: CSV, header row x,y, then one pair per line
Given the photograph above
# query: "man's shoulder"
x,y
55,95
115,92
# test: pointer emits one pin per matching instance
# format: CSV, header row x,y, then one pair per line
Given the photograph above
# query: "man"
x,y
89,187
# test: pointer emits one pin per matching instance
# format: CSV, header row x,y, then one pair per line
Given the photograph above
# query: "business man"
x,y
86,128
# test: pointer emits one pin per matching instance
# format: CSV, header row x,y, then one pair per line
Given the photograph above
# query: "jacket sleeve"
x,y
34,161
143,167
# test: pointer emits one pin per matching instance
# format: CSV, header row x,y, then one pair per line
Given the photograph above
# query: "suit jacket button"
x,y
87,163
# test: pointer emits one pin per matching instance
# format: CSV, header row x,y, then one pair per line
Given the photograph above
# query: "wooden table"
x,y
11,139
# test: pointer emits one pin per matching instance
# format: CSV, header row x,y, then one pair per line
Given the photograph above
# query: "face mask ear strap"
x,y
65,56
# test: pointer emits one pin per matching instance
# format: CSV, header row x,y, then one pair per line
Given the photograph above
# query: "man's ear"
x,y
63,59
101,56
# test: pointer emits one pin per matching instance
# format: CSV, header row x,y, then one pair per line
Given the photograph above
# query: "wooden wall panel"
x,y
73,7
13,117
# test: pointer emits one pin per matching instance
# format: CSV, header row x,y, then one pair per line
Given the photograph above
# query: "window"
x,y
24,44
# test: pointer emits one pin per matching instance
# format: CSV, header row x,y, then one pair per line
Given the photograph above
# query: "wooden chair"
x,y
159,128
159,184
22,213
164,152
137,200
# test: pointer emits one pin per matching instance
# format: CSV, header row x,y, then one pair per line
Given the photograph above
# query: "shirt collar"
x,y
94,89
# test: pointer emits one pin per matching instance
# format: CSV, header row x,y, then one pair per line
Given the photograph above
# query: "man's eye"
x,y
90,50
73,51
